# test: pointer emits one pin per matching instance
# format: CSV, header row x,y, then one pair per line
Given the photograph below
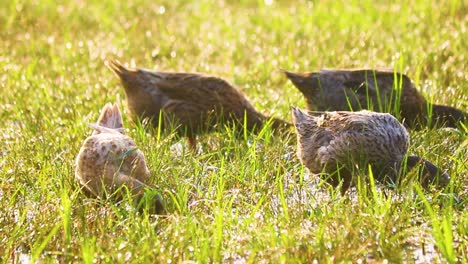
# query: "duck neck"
x,y
254,120
429,172
447,116
277,123
257,120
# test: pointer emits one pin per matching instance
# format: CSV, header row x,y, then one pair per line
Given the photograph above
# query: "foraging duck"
x,y
195,102
108,159
351,90
338,142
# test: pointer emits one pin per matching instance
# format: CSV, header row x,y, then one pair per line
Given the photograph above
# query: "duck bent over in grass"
x,y
377,90
109,160
196,103
335,143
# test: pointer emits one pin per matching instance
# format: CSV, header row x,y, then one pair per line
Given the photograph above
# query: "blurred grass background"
x,y
241,200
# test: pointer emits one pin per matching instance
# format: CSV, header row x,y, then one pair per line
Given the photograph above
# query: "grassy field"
x,y
239,200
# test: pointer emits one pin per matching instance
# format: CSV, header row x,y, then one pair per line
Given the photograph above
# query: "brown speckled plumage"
x,y
195,102
109,159
352,90
346,140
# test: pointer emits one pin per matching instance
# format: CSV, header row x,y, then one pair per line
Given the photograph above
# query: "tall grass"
x,y
240,198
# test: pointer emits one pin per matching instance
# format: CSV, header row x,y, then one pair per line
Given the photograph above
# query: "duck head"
x,y
429,173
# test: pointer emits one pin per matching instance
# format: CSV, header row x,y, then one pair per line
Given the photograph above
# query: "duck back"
x,y
350,139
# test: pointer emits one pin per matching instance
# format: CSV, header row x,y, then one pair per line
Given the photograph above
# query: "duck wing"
x,y
373,82
192,95
192,86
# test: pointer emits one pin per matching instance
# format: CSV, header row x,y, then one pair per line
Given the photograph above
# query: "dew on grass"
x,y
50,40
178,149
161,10
127,256
22,256
155,52
420,248
234,258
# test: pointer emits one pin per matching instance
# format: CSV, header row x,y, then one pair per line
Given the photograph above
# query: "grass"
x,y
242,199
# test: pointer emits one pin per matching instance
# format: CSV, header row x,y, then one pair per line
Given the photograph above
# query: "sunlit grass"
x,y
241,198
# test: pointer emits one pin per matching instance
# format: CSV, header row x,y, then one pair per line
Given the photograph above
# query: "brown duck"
x,y
196,103
352,90
109,160
336,143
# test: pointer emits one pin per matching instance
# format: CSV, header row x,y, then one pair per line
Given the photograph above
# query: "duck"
x,y
109,160
195,103
341,144
376,90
